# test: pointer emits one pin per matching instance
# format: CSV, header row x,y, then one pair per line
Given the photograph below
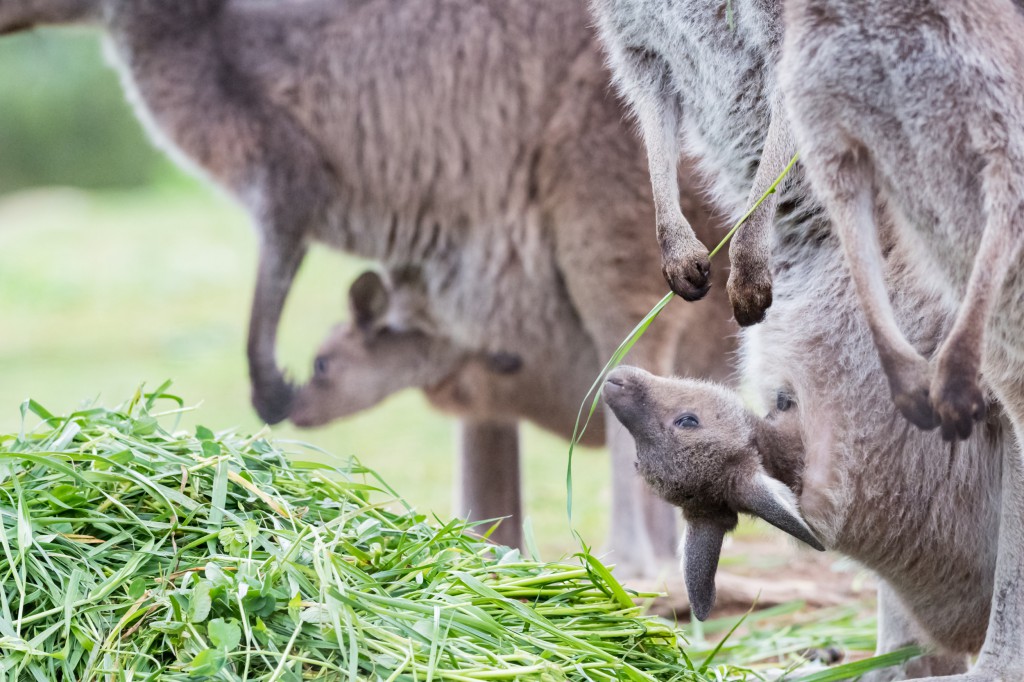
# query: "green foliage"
x,y
63,118
131,551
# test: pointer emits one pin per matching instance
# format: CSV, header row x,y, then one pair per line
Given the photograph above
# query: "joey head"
x,y
386,346
701,450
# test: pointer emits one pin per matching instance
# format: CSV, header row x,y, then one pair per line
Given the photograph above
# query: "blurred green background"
x,y
116,269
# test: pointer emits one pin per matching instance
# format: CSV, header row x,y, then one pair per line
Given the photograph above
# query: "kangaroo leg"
x,y
685,261
955,391
489,481
845,180
279,261
896,629
750,276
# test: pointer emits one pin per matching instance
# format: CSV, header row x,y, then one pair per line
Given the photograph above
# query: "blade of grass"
x,y
849,671
596,389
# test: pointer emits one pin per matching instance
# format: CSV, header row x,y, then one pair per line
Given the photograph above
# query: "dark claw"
x,y
504,363
691,282
959,429
959,405
917,410
750,303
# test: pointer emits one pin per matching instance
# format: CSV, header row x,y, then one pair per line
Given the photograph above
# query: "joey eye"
x,y
687,421
784,401
320,366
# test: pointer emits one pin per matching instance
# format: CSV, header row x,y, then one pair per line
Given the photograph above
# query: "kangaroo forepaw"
x,y
911,388
959,402
686,266
750,295
688,278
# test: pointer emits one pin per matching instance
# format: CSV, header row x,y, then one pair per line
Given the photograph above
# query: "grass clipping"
x,y
130,552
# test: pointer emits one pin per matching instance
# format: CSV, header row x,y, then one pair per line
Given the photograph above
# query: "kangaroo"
x,y
474,139
712,460
391,343
816,339
702,450
918,107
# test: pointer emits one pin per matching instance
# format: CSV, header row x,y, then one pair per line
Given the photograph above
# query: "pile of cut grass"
x,y
133,552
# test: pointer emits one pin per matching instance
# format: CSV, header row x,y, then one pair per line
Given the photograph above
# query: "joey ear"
x,y
368,300
771,500
702,546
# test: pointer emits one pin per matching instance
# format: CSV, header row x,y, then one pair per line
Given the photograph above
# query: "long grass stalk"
x,y
627,344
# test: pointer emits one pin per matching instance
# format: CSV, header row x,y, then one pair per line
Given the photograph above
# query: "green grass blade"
x,y
849,671
620,353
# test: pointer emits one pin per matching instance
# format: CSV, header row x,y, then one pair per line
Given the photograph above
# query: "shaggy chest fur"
x,y
717,67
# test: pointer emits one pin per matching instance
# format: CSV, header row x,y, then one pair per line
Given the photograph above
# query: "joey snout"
x,y
625,395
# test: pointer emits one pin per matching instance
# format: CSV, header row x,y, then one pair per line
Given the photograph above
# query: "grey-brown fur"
x,y
918,108
476,139
883,505
391,342
928,116
924,514
701,79
700,450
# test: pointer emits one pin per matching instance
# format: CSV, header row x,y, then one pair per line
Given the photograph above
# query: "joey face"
x,y
387,346
693,438
24,15
700,449
367,359
353,371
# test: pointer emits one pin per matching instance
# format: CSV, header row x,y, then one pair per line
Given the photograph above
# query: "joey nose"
x,y
620,379
623,392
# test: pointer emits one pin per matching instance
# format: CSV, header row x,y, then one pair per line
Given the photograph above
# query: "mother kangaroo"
x,y
475,139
